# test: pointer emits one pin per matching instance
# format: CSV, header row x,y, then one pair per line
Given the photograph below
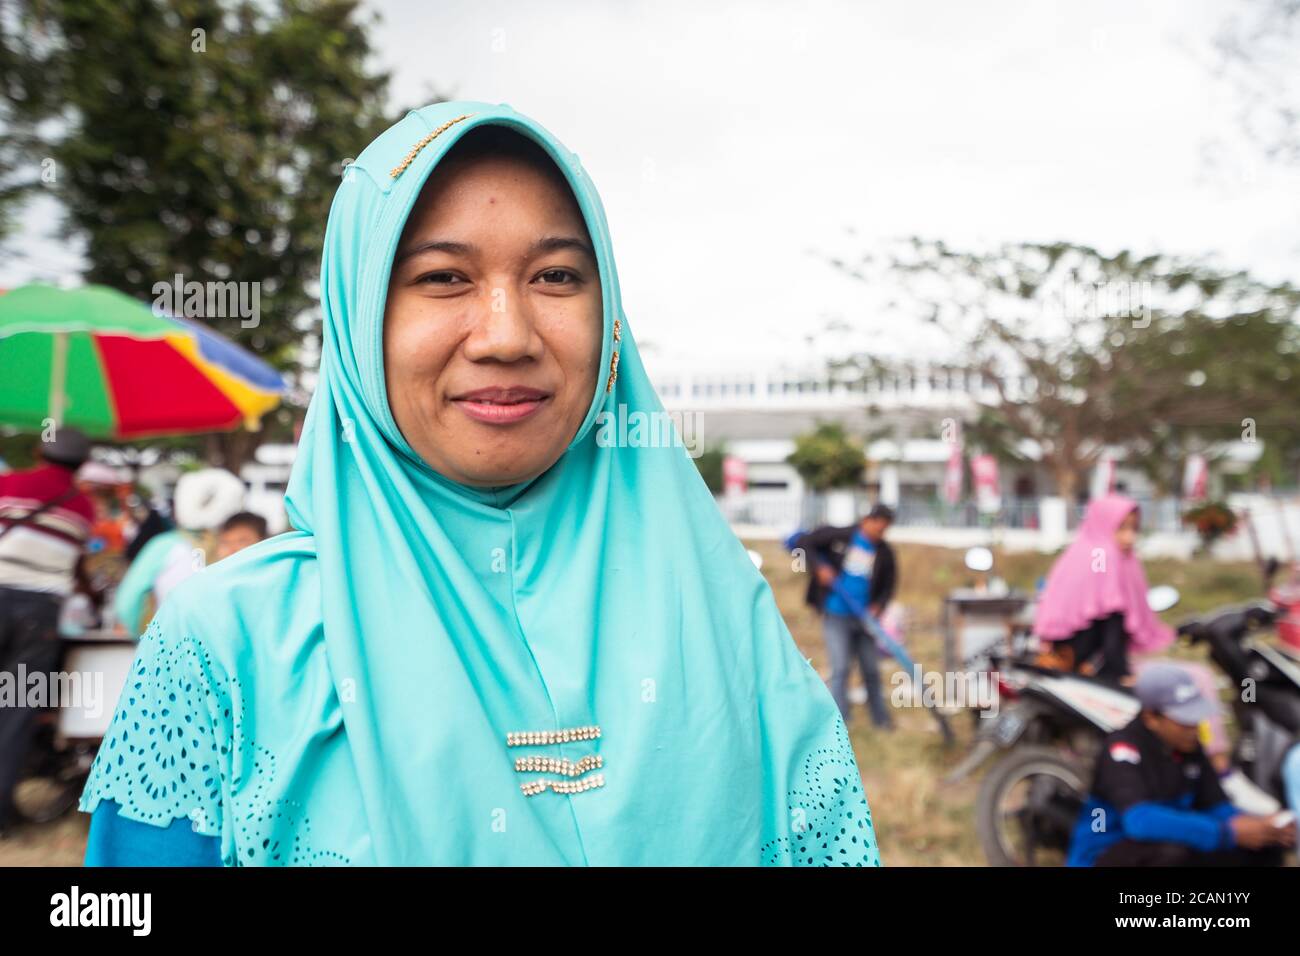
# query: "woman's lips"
x,y
501,406
499,414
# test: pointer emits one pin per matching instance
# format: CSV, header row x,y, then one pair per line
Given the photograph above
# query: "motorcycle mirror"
x,y
1163,597
979,559
1271,567
755,557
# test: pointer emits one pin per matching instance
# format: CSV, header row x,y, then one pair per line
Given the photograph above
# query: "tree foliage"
x,y
827,458
709,463
200,138
1158,354
1258,47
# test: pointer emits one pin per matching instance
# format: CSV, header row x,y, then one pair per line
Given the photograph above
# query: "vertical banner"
x,y
984,478
889,491
735,477
1103,477
1195,478
952,477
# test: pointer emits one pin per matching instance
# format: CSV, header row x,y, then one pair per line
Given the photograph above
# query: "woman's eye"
x,y
556,276
439,278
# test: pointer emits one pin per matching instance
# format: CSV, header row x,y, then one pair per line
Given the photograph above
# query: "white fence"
x,y
1268,525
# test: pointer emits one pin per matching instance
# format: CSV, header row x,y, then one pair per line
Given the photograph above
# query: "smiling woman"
x,y
491,638
492,327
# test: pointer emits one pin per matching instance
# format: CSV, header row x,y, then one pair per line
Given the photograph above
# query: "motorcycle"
x,y
68,736
1052,731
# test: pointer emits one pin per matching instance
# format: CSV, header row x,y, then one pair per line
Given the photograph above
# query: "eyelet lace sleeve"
x,y
815,807
828,822
161,757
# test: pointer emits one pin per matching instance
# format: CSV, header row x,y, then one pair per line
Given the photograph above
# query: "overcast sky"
x,y
731,140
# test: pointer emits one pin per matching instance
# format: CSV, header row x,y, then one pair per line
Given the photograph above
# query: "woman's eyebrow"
x,y
557,243
545,244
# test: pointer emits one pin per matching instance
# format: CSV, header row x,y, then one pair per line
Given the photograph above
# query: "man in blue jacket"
x,y
1156,799
852,565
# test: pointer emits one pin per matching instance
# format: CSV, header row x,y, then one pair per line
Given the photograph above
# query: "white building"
x,y
757,414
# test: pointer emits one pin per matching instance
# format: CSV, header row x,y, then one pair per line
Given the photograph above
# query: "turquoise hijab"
x,y
585,668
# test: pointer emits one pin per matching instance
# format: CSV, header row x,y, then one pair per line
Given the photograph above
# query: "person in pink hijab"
x,y
1095,601
1094,609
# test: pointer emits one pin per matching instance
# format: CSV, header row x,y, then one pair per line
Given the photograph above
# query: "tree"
x,y
1258,47
199,138
827,458
1158,354
709,463
988,433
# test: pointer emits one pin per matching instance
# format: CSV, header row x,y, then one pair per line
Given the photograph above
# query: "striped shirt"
x,y
41,555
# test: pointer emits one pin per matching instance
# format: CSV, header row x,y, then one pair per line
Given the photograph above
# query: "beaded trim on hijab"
x,y
613,362
415,150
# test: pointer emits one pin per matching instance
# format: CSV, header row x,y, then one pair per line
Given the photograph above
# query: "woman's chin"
x,y
500,470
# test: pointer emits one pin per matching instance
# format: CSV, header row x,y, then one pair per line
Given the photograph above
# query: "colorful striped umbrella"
x,y
99,360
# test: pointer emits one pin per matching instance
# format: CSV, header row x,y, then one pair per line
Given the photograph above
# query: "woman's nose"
x,y
504,328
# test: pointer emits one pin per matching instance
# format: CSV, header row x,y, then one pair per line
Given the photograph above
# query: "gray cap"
x,y
69,447
1170,690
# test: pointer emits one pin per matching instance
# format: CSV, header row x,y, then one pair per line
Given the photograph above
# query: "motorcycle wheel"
x,y
45,799
1033,793
52,779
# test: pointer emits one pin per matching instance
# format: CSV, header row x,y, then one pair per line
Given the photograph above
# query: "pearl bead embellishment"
x,y
533,738
534,787
566,768
560,765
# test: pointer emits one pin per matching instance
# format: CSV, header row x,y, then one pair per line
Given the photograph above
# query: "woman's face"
x,y
1127,533
492,329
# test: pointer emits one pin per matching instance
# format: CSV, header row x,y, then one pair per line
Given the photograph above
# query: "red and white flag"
x,y
1125,752
953,474
984,478
1195,476
735,475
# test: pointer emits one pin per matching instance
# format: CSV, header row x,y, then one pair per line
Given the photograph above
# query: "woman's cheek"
x,y
417,349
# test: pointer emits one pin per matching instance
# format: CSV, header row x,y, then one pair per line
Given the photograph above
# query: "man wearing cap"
x,y
1156,799
853,568
44,523
204,499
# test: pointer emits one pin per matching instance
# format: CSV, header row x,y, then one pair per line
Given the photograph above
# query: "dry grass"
x,y
919,821
62,843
